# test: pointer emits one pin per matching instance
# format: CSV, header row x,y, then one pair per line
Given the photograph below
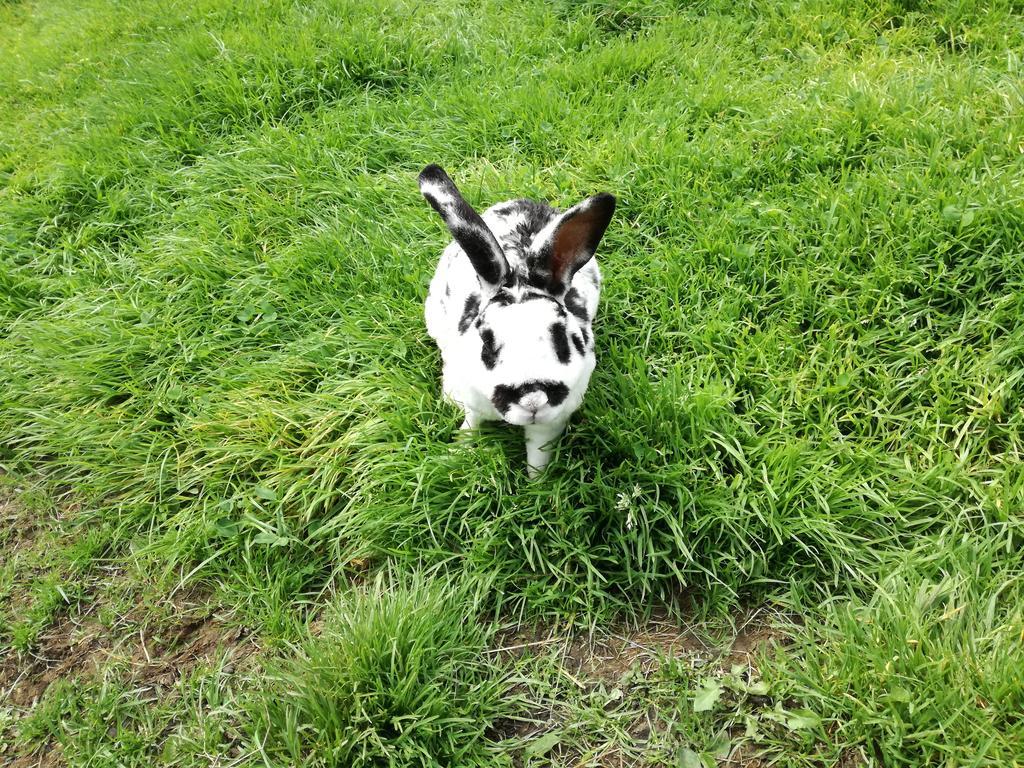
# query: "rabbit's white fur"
x,y
511,307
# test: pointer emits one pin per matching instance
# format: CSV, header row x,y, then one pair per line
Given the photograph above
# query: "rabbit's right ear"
x,y
466,226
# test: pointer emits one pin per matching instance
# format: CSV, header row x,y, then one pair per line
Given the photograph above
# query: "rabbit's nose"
x,y
533,401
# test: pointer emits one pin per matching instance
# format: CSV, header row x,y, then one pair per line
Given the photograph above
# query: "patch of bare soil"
x,y
609,653
18,528
851,758
49,758
152,646
624,657
157,654
26,533
151,654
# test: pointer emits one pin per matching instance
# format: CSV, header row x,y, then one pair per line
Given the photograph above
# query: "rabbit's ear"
x,y
465,224
569,242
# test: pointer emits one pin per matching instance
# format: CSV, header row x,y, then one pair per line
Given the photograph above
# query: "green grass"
x,y
397,676
810,387
931,663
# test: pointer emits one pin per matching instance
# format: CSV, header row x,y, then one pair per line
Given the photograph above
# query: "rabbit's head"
x,y
536,349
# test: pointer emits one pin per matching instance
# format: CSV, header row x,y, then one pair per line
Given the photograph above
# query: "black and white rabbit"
x,y
511,307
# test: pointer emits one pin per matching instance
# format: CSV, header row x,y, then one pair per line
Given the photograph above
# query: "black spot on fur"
x,y
531,217
556,392
536,296
541,276
538,214
469,312
539,273
505,397
586,336
574,303
535,279
560,341
490,350
578,343
503,299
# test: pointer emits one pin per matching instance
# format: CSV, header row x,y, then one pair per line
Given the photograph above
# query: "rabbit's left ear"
x,y
466,226
569,242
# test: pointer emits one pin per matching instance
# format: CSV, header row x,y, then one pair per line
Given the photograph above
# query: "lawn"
x,y
237,523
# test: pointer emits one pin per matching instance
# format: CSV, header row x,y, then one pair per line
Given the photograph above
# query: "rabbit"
x,y
511,307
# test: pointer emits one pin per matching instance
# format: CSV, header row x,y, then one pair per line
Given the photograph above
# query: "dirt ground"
x,y
150,645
